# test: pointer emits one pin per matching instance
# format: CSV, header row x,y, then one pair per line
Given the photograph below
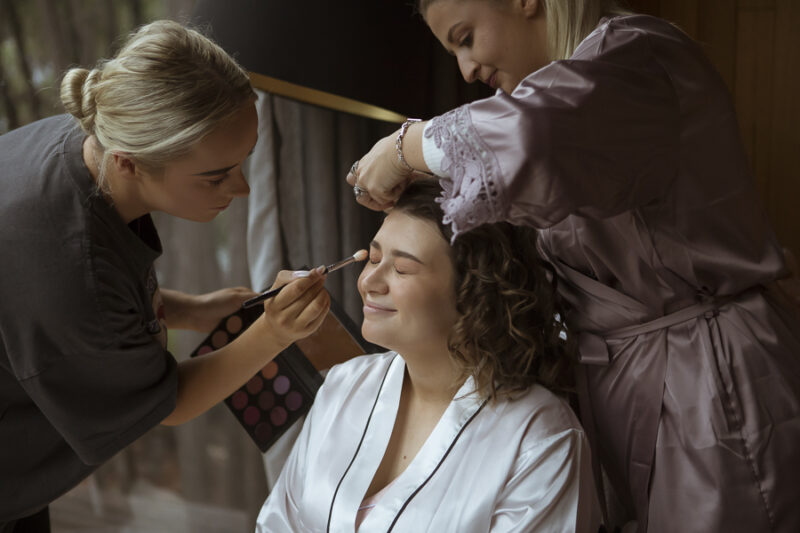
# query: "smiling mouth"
x,y
370,307
492,81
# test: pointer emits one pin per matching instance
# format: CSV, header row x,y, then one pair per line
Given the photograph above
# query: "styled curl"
x,y
509,334
78,94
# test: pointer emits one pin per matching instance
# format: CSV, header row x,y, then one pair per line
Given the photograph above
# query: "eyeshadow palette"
x,y
283,391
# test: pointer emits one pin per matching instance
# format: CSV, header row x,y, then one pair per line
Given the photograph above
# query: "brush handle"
x,y
255,300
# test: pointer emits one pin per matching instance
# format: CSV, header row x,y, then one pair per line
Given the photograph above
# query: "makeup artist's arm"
x,y
202,312
296,312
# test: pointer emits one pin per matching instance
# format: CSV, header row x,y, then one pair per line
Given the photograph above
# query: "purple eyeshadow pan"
x,y
278,416
294,400
281,385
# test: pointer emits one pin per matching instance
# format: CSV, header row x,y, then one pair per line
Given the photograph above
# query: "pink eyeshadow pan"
x,y
234,324
239,399
204,350
281,385
219,339
251,415
270,371
278,416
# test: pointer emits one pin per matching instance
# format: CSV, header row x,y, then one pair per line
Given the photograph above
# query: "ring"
x,y
354,168
358,192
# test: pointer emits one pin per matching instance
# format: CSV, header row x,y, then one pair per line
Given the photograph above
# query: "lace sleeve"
x,y
468,172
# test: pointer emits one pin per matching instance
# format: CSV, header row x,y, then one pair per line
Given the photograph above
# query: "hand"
x,y
210,308
380,174
299,309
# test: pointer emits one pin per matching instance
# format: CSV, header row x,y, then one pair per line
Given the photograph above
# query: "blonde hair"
x,y
167,88
568,21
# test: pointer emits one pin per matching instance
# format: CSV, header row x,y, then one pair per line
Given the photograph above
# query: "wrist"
x,y
398,143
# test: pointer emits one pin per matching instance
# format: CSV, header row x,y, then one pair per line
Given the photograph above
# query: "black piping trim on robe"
x,y
397,517
360,442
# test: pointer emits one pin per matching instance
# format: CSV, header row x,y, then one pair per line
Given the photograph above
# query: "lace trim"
x,y
471,192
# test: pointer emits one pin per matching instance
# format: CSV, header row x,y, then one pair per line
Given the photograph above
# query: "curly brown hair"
x,y
509,334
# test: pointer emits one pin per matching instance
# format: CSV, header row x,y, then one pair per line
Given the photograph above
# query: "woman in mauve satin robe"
x,y
613,135
455,429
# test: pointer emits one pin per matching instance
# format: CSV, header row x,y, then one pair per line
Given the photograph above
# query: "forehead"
x,y
226,145
443,14
414,235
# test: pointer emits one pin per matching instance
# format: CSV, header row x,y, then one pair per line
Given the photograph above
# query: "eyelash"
x,y
393,266
217,182
466,41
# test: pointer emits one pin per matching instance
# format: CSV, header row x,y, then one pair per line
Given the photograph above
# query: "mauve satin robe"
x,y
627,157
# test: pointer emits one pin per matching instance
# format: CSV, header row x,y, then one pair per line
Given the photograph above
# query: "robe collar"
x,y
357,478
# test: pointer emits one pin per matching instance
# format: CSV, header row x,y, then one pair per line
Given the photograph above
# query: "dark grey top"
x,y
84,368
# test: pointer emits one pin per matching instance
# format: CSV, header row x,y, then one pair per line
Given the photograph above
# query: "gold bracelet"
x,y
398,144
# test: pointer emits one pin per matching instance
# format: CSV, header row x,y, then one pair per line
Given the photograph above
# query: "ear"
x,y
530,8
124,165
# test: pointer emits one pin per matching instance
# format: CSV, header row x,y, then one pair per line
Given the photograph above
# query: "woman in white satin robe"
x,y
502,452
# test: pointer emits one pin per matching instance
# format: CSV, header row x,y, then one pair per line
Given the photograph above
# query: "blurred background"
x,y
207,476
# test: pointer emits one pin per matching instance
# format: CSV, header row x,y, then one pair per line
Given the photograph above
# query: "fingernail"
x,y
320,269
300,274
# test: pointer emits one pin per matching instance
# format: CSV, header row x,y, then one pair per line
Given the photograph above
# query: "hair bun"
x,y
78,94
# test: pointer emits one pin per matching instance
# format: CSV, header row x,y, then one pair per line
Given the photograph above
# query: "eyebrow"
x,y
450,36
397,253
221,170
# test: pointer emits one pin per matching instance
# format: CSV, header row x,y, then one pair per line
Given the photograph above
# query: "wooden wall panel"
x,y
783,191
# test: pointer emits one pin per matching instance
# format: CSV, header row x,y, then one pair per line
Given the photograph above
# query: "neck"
x,y
117,191
432,375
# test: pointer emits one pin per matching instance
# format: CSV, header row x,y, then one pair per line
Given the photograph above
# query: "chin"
x,y
373,334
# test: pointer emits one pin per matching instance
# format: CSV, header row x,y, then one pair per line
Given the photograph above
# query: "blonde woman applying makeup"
x,y
84,367
456,429
614,137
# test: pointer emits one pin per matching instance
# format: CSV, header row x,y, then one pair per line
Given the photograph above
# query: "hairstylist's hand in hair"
x,y
382,176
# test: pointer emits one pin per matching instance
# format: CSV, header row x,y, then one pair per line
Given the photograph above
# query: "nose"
x,y
238,185
469,68
372,279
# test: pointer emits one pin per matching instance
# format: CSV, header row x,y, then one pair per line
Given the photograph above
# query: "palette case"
x,y
283,391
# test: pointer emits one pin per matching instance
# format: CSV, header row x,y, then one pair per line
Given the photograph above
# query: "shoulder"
x,y
639,41
544,418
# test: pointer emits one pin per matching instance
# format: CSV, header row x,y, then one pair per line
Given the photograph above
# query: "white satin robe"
x,y
521,465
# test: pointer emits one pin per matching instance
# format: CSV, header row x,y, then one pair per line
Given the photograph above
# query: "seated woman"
x,y
454,429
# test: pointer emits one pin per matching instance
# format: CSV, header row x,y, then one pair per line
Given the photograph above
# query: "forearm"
x,y
177,308
207,380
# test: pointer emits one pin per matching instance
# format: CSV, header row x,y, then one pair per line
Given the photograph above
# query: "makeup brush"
x,y
358,256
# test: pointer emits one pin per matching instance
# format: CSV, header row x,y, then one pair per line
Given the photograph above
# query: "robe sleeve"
x,y
594,135
550,489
